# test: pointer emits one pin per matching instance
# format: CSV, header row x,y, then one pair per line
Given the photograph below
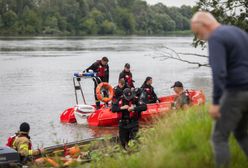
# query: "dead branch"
x,y
173,54
193,54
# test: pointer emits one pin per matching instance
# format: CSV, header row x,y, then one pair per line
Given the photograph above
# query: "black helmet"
x,y
24,127
128,94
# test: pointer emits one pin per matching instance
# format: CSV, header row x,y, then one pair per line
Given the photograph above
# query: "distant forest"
x,y
90,17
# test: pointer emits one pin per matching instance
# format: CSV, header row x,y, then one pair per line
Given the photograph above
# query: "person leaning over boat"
x,y
149,90
101,68
131,109
228,58
21,142
118,90
182,99
126,74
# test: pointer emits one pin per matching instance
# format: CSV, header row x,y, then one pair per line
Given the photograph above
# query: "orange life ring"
x,y
109,88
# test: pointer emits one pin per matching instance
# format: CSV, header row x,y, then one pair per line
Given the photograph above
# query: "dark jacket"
x,y
139,107
228,57
151,96
102,71
128,77
118,92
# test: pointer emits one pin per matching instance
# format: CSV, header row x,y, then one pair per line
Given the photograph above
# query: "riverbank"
x,y
182,33
178,140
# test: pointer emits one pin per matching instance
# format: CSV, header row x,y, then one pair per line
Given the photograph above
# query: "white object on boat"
x,y
82,112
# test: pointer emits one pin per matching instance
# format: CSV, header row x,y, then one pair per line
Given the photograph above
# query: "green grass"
x,y
179,140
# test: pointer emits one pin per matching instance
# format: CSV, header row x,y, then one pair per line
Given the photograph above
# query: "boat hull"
x,y
104,117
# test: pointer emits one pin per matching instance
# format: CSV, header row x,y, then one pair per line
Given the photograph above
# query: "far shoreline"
x,y
185,33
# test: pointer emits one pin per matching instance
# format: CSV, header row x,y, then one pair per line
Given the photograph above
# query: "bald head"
x,y
204,18
203,24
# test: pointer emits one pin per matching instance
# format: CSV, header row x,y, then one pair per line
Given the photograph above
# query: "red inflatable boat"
x,y
86,114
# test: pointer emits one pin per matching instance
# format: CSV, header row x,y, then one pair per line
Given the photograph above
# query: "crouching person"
x,y
131,109
22,144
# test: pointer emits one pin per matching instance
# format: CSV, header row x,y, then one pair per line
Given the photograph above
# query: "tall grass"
x,y
179,140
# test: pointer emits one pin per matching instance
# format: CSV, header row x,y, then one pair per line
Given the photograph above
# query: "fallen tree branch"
x,y
173,54
186,61
193,54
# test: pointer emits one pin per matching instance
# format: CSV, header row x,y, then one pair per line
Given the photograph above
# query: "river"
x,y
36,78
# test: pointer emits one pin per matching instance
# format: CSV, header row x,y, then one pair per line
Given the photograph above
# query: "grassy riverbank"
x,y
179,140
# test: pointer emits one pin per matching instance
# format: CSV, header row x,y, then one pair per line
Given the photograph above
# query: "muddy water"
x,y
36,78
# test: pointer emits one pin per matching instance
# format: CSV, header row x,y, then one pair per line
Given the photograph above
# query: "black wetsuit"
x,y
128,125
151,96
128,77
102,76
118,93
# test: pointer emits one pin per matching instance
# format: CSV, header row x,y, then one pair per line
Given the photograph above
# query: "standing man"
x,y
228,57
126,74
130,109
101,68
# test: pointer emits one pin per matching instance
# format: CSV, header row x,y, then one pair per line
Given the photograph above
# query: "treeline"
x,y
90,17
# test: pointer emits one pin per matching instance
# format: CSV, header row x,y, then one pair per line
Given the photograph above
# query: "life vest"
x,y
129,80
131,113
120,103
11,140
149,93
101,70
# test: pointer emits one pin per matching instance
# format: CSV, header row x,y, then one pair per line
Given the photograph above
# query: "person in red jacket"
x,y
126,74
101,68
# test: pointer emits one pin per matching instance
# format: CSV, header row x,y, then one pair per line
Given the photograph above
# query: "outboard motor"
x,y
9,157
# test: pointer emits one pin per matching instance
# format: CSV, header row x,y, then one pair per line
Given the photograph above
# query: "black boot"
x,y
98,105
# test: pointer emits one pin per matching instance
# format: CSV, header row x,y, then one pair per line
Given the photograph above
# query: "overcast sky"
x,y
173,2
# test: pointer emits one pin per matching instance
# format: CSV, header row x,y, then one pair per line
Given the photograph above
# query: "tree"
x,y
77,17
90,26
226,12
1,21
107,27
162,23
9,19
31,21
125,20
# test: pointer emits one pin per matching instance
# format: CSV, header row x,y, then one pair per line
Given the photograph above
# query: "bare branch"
x,y
164,55
193,54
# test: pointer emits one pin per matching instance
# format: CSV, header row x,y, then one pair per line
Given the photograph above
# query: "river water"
x,y
36,78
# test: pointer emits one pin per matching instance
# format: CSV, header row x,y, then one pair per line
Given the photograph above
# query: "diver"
x,y
130,110
126,74
118,90
101,68
21,142
149,90
182,99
